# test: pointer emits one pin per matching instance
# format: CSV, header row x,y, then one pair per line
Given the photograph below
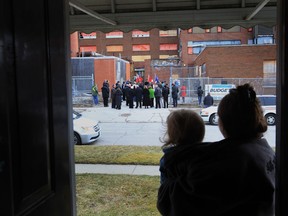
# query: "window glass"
x,y
114,48
168,46
83,35
203,69
198,46
141,47
265,40
137,33
167,56
269,73
219,29
88,49
140,58
169,33
115,34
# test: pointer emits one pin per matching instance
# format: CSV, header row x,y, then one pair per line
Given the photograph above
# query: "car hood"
x,y
84,122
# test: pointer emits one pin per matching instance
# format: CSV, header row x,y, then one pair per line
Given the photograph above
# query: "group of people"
x,y
208,99
231,177
147,95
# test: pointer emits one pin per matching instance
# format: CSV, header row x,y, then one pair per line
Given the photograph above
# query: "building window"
x,y
190,31
115,34
269,73
140,58
88,49
219,29
114,48
168,56
190,50
269,39
83,35
250,41
207,30
141,47
198,46
203,69
168,47
136,34
169,33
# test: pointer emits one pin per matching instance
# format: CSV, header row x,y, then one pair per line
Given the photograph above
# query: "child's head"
x,y
184,127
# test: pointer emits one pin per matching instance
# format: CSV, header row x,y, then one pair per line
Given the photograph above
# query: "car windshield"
x,y
76,115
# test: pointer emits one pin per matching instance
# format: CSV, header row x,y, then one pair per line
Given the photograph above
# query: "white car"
x,y
268,103
85,130
209,115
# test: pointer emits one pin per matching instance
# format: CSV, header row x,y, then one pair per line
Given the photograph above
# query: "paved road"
x,y
143,126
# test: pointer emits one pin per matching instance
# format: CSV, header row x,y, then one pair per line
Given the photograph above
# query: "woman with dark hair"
x,y
232,177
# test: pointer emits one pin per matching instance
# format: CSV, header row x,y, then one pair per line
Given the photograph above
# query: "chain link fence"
x,y
81,90
261,86
187,76
81,85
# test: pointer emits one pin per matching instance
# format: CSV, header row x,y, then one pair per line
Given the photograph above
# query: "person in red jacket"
x,y
183,92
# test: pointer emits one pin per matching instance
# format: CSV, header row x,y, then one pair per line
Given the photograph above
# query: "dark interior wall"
x,y
36,134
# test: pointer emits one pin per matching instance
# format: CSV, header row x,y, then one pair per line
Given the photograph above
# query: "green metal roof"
x,y
126,15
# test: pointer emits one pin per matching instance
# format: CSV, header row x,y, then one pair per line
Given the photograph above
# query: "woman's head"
x,y
240,114
184,127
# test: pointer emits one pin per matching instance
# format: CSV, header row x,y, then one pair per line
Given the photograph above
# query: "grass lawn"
x,y
144,155
109,195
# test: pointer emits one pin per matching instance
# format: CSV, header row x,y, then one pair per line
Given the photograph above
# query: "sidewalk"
x,y
109,115
117,169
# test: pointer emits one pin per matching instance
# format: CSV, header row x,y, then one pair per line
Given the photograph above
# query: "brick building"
x,y
154,52
135,47
248,61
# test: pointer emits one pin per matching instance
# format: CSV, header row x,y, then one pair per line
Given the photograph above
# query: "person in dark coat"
x,y
138,96
199,94
118,97
113,90
158,95
146,97
126,92
165,94
231,177
208,100
105,93
123,92
175,91
130,96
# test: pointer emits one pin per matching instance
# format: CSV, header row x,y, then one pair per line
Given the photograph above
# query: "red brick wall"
x,y
74,46
128,41
236,61
108,66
